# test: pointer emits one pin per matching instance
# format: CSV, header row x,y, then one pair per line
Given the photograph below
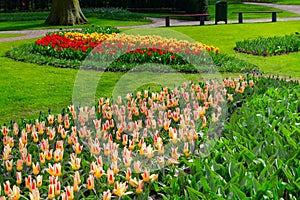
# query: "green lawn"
x,y
288,2
240,7
39,24
28,88
2,35
243,7
225,36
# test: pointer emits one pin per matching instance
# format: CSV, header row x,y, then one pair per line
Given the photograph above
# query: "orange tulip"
x,y
58,155
5,130
32,186
77,148
75,162
63,133
128,174
9,164
34,194
42,158
139,188
24,137
90,182
6,153
59,118
48,154
120,189
131,144
36,168
175,155
50,119
28,181
57,188
51,191
110,176
45,145
146,175
16,129
186,149
153,177
7,188
52,133
19,177
29,160
69,192
99,161
39,181
15,193
77,181
77,177
133,182
51,170
107,195
98,172
137,165
35,136
114,166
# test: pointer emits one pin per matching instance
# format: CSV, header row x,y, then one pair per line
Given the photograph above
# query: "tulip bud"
x,y
51,191
90,182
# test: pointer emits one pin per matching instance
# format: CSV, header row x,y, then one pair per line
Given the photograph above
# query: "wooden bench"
x,y
255,12
202,17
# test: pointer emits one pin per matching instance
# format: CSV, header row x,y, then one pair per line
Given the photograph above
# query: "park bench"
x,y
202,17
255,12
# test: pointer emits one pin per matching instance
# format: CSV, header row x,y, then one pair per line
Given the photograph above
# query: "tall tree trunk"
x,y
66,12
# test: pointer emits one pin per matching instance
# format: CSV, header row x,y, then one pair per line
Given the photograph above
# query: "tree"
x,y
66,12
197,6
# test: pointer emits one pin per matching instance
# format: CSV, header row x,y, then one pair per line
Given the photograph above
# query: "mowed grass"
x,y
288,2
225,36
27,88
244,7
40,24
239,7
4,35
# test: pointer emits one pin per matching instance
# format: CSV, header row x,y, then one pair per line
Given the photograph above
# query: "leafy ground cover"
x,y
10,35
270,46
171,156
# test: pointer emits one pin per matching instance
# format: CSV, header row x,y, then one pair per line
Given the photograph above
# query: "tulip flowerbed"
x,y
237,139
270,46
72,45
121,52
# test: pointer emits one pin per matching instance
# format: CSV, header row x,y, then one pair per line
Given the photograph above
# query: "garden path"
x,y
159,22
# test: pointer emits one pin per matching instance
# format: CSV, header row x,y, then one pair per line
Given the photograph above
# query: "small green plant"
x,y
270,46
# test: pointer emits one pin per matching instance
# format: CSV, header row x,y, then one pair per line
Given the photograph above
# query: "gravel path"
x,y
160,22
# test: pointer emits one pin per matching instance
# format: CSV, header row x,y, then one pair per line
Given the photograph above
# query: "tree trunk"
x,y
203,6
66,13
